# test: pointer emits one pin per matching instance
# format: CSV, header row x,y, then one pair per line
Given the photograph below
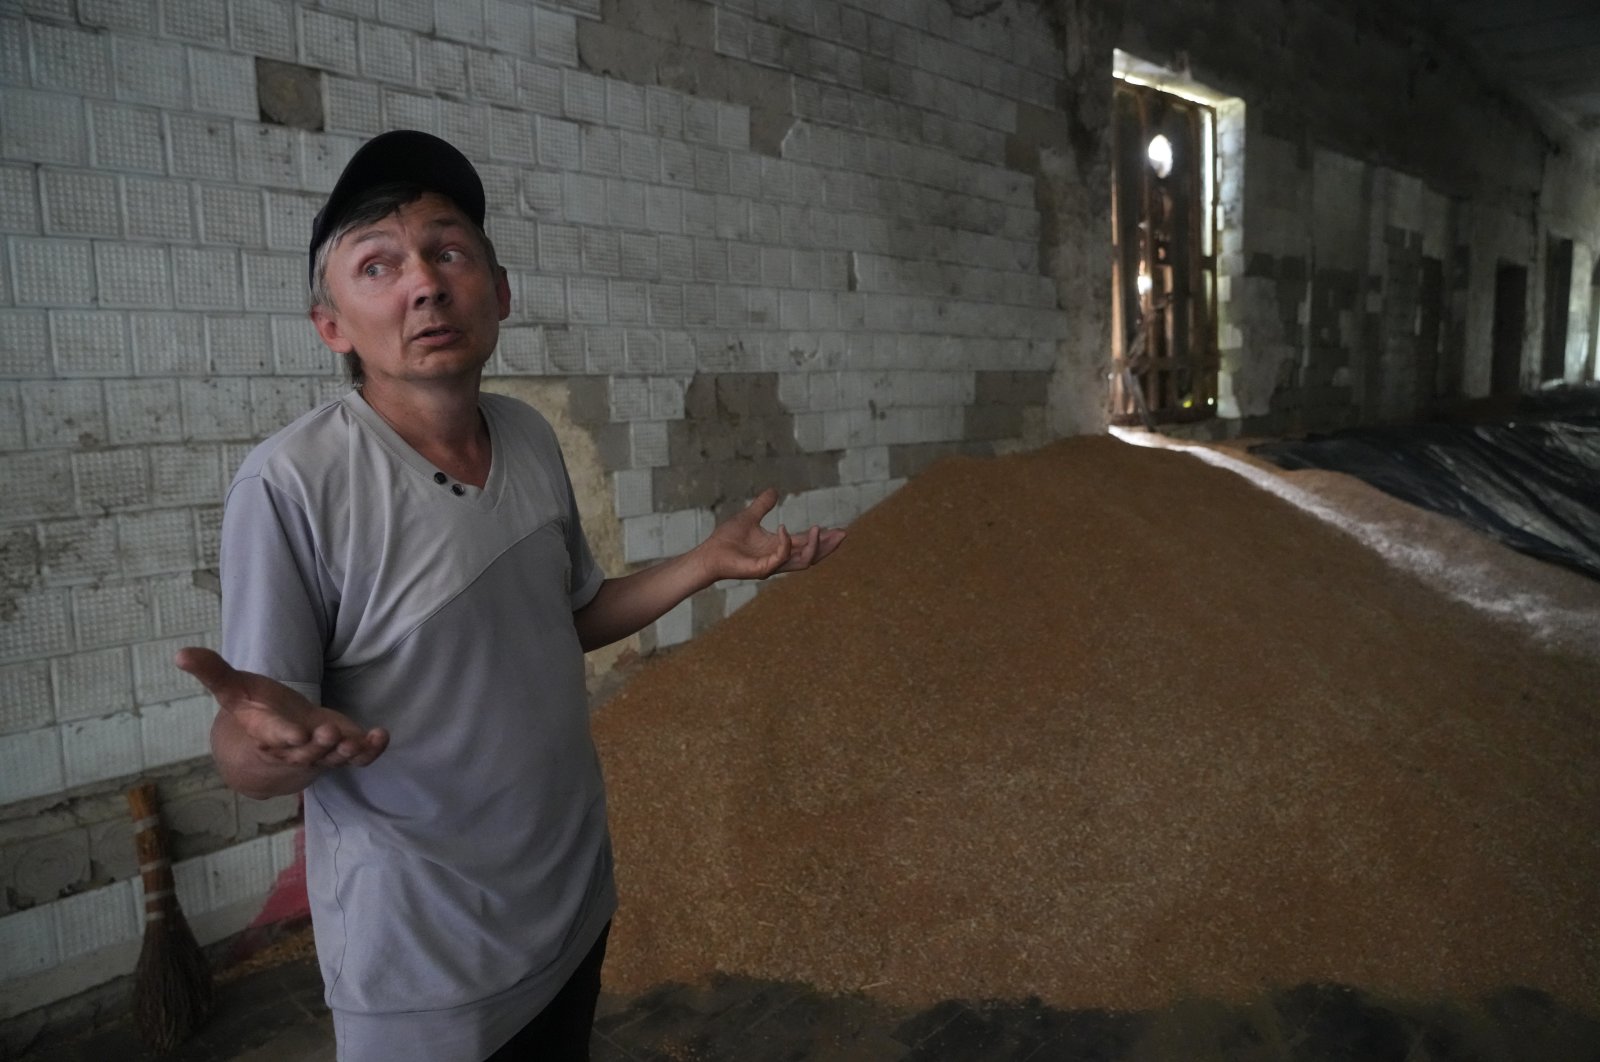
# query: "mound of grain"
x,y
1107,726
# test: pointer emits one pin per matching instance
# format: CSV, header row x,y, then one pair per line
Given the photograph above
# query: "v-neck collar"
x,y
449,488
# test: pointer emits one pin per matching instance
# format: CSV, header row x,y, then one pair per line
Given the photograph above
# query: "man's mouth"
x,y
441,332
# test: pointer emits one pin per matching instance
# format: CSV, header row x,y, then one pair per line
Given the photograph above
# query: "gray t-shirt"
x,y
459,880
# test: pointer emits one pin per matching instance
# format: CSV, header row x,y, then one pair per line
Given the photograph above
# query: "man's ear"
x,y
326,322
502,292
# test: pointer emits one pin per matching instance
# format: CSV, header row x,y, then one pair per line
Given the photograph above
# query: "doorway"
x,y
1557,302
1510,323
1164,321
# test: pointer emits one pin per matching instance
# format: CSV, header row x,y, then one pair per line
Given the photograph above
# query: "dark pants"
x,y
560,1032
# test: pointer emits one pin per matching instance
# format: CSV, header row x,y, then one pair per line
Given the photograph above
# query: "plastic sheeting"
x,y
1532,481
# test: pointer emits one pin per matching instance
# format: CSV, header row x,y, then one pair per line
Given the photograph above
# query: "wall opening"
x,y
1589,368
1510,324
1557,304
1166,183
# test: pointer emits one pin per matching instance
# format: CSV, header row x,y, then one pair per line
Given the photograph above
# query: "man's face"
x,y
414,295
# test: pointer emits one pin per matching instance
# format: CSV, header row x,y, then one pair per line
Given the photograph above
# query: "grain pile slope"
x,y
1107,726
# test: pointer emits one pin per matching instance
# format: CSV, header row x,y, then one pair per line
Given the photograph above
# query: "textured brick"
x,y
79,551
559,144
43,127
167,344
132,276
232,215
405,110
130,16
462,21
539,88
185,476
263,27
241,873
274,282
71,59
10,416
508,26
201,147
27,938
511,136
601,151
555,37
159,210
110,615
25,697
666,305
328,41
275,402
89,344
585,198
156,542
493,76
177,730
206,279
545,299
155,679
110,479
36,485
223,84
352,106
297,349
37,625
442,66
92,684
151,71
268,155
240,344
80,204
24,343
387,54
64,413
411,14
205,21
217,408
98,749
628,302
53,272
605,350
19,202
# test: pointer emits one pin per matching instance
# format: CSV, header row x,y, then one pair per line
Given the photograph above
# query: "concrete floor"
x,y
276,1015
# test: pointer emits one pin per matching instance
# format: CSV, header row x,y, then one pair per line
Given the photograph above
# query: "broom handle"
x,y
155,866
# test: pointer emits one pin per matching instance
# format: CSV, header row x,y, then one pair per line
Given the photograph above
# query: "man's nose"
x,y
430,286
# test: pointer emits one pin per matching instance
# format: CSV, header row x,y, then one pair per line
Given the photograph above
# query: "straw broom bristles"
x,y
172,982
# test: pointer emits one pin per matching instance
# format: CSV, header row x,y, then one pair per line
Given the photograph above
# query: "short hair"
x,y
373,205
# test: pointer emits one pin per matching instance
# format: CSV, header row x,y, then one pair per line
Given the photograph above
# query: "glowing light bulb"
x,y
1144,284
1160,152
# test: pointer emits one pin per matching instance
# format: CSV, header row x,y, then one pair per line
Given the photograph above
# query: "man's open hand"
x,y
283,726
740,548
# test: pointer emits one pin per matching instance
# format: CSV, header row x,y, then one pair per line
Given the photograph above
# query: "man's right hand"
x,y
292,739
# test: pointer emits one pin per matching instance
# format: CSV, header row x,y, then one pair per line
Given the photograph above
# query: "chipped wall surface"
x,y
808,245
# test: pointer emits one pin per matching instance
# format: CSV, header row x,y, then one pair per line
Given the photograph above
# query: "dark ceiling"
x,y
1545,51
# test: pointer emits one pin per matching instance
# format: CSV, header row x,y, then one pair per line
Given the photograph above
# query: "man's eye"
x,y
450,256
371,269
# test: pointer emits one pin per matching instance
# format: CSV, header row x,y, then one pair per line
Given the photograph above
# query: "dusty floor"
x,y
1111,727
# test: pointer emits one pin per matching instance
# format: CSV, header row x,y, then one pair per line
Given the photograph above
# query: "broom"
x,y
172,983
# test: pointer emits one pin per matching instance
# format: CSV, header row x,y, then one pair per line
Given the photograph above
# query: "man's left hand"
x,y
740,548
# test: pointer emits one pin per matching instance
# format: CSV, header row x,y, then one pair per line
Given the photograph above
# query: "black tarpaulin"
x,y
1532,480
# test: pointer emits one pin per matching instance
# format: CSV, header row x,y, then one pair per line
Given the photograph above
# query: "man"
x,y
408,594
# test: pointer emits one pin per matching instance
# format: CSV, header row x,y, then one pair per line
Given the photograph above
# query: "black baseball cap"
x,y
401,156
